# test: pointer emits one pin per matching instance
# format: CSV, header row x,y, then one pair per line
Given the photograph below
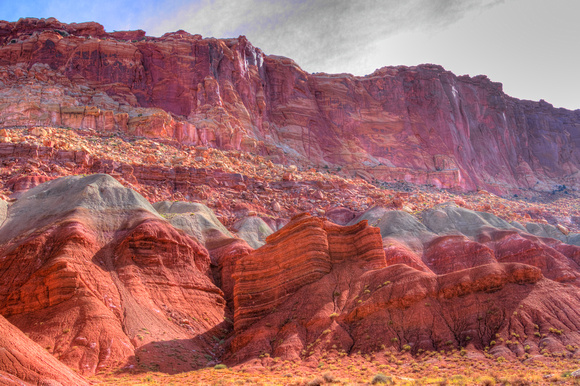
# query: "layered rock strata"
x,y
420,124
457,279
200,222
301,253
92,273
23,361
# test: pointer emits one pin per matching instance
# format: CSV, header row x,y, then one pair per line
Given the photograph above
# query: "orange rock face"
x,y
417,124
22,360
92,273
101,279
300,253
466,281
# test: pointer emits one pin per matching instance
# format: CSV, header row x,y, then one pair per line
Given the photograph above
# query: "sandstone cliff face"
x,y
418,124
458,279
22,360
301,253
92,273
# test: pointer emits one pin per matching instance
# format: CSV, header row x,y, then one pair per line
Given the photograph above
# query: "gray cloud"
x,y
321,35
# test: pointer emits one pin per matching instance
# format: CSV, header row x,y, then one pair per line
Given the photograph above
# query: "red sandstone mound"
x,y
92,273
22,360
488,238
100,279
452,238
200,222
417,124
301,253
313,288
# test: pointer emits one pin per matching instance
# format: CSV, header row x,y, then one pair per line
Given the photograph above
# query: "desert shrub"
x,y
329,378
382,379
486,381
458,379
220,366
315,382
513,381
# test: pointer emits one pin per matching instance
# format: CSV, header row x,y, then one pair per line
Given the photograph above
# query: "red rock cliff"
x,y
420,124
299,254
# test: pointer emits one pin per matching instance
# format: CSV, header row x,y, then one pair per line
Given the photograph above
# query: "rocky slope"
x,y
197,205
92,272
457,279
22,360
236,184
416,124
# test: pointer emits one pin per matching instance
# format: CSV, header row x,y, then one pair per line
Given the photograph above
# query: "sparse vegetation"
x,y
387,367
382,379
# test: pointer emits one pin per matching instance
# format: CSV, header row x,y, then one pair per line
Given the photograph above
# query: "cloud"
x,y
321,35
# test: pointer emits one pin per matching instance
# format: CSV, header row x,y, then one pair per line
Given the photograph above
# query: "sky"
x,y
531,46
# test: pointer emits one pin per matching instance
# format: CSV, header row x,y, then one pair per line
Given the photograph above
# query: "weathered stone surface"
x,y
55,200
21,184
398,225
3,211
23,361
452,253
478,276
574,239
340,216
513,247
449,218
197,220
300,253
92,273
453,238
417,124
253,230
400,306
546,230
200,222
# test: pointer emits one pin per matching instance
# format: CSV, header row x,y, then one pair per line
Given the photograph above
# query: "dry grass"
x,y
430,368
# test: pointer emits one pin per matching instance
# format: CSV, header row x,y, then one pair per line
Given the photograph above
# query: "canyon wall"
x,y
419,124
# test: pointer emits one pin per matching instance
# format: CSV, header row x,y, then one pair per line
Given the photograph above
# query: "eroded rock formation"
x,y
101,279
22,360
459,278
95,275
91,272
300,253
200,222
417,124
